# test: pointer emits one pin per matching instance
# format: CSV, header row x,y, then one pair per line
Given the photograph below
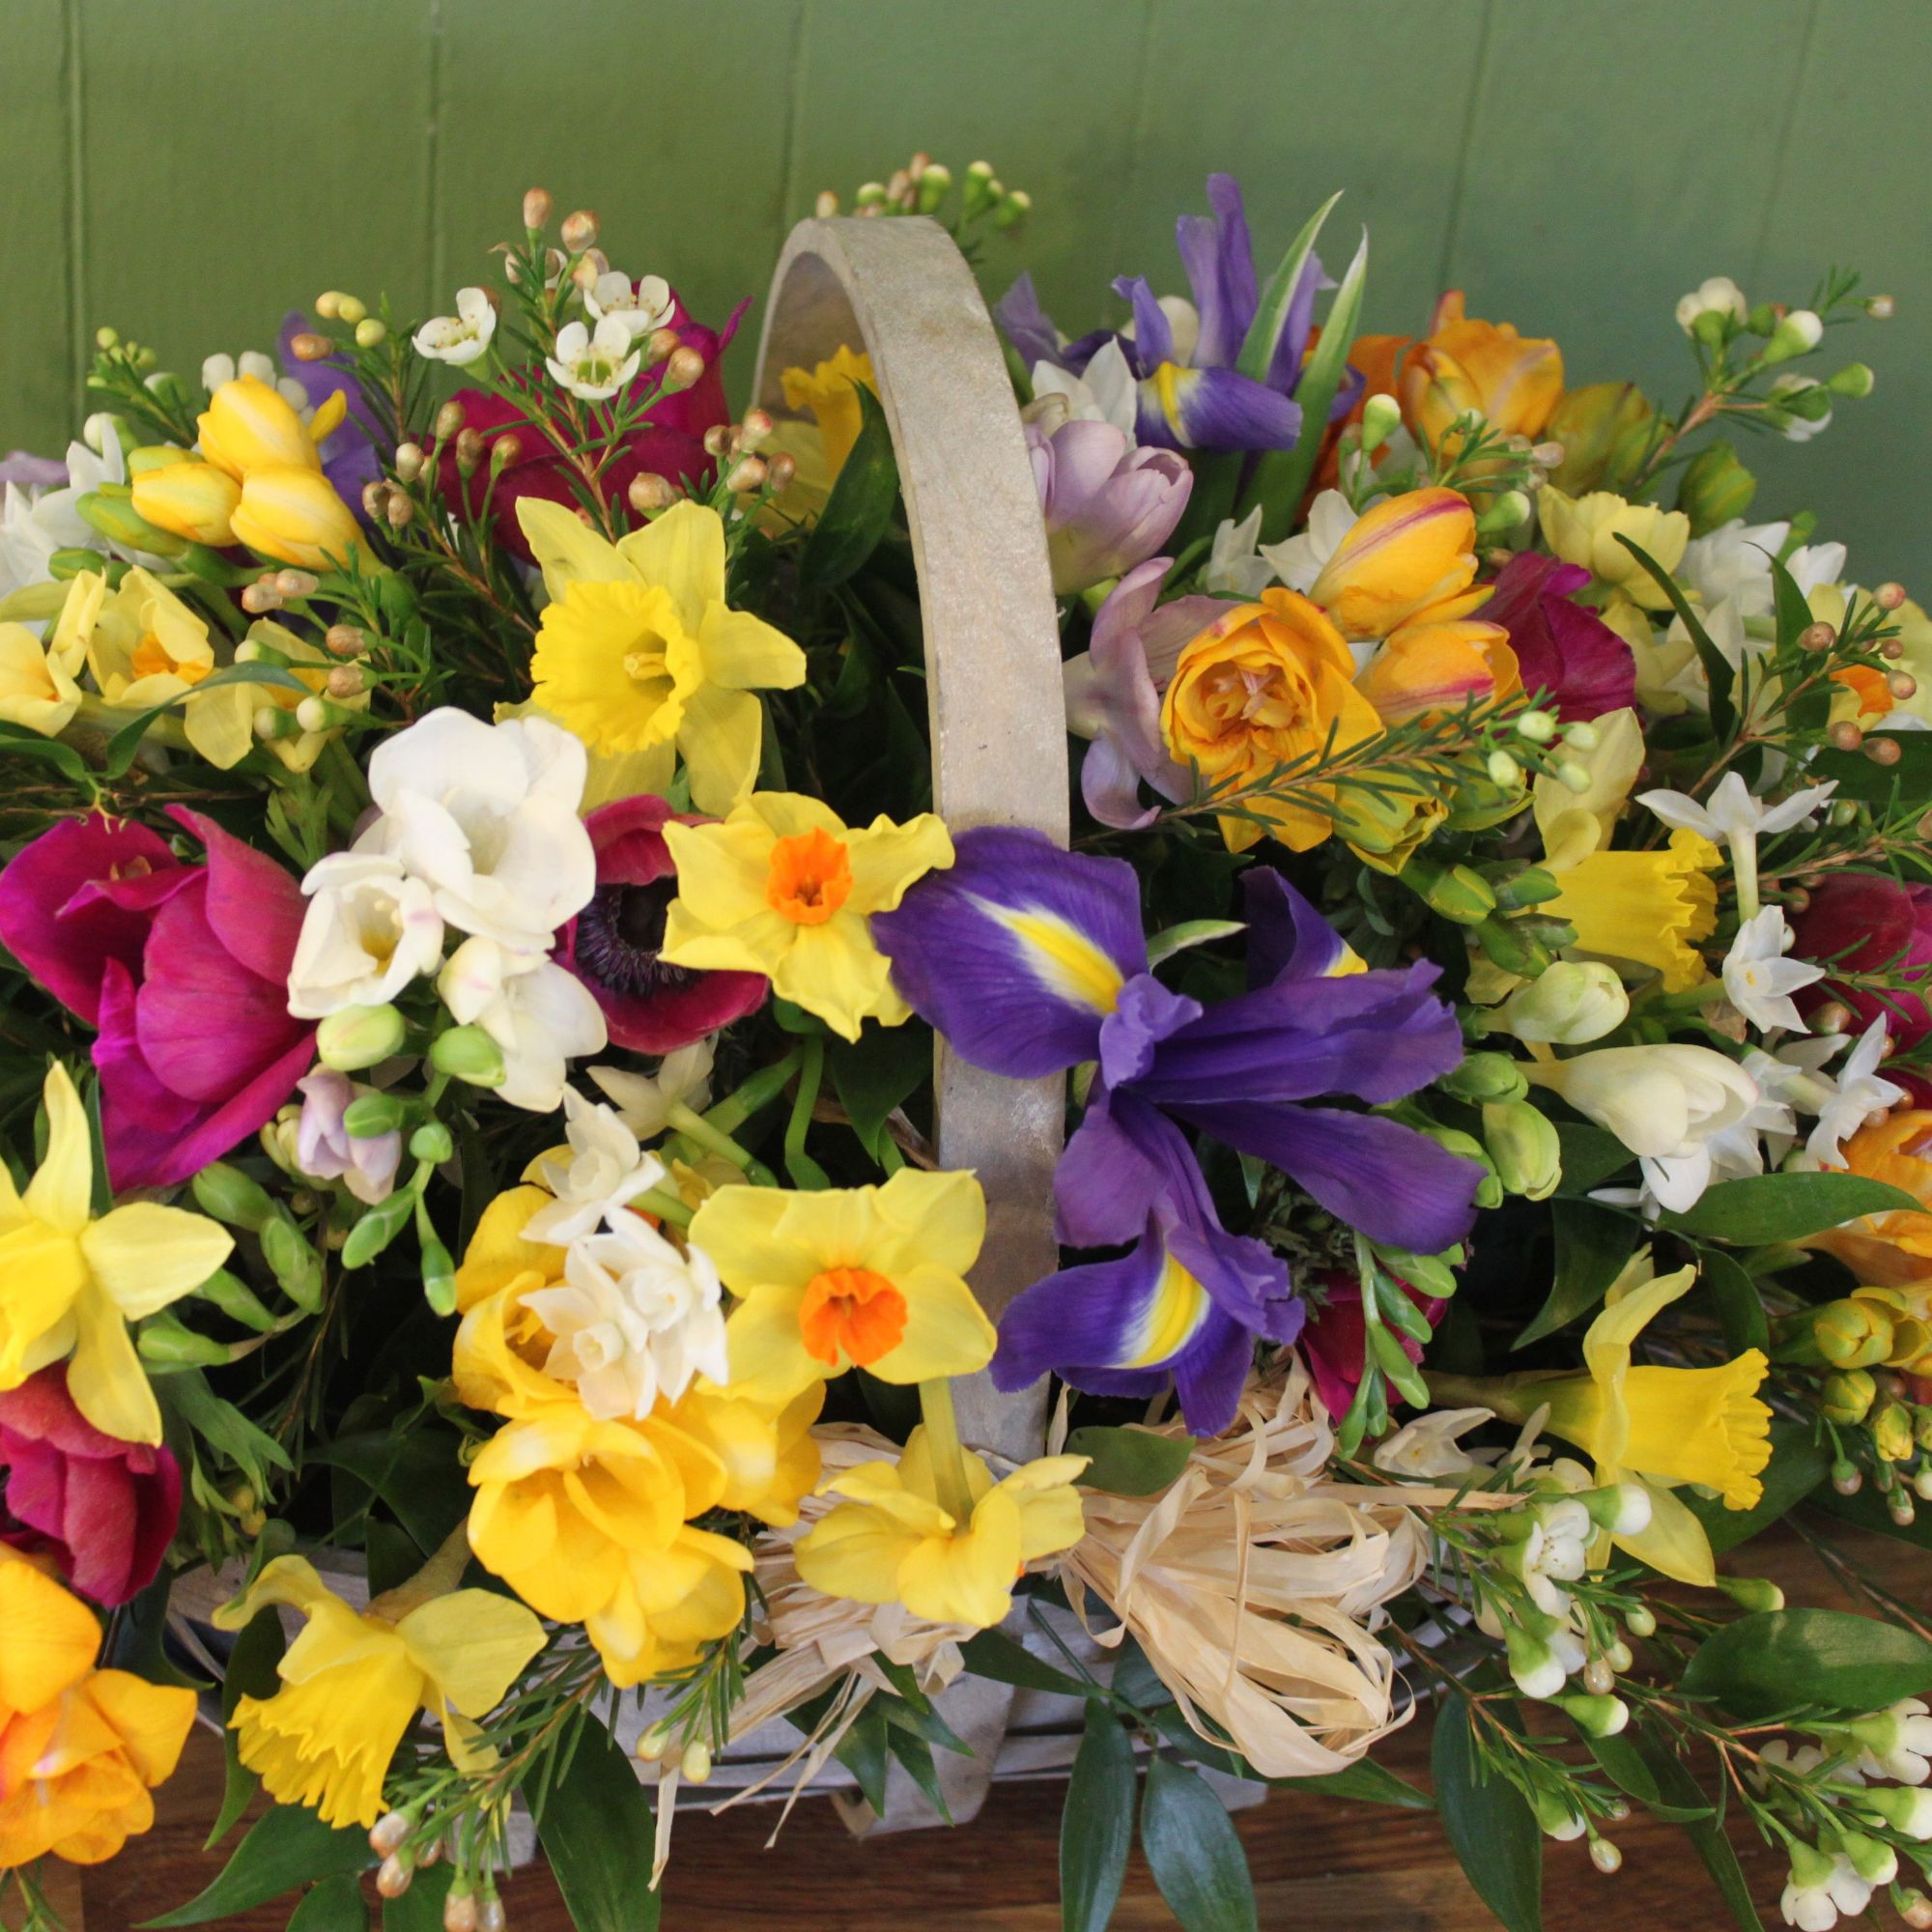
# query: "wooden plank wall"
x,y
187,169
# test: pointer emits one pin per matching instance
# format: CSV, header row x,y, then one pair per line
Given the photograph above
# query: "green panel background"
x,y
187,169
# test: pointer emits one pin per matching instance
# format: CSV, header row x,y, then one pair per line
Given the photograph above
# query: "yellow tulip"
x,y
249,425
195,500
80,1748
638,652
865,1276
74,1283
354,1681
36,690
1585,530
783,887
1409,556
1513,382
889,1540
293,514
830,390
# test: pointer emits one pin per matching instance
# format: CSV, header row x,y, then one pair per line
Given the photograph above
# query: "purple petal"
x,y
1146,1014
1153,333
1291,344
1018,951
1220,263
32,473
1115,1169
1213,408
1287,937
1027,326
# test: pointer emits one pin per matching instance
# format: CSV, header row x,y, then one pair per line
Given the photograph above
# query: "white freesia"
x,y
1851,1098
1664,1102
487,815
1105,391
1429,1445
644,1100
1719,295
370,928
35,525
635,1319
1235,568
605,1169
593,368
640,308
459,338
538,1015
1760,980
1299,560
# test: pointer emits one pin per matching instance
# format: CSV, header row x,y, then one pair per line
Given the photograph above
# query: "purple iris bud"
x,y
1108,505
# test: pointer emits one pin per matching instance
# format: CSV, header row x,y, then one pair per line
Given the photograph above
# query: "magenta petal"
x,y
671,1017
97,1528
63,941
254,906
35,1487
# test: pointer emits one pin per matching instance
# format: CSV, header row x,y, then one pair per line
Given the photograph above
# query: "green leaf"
x,y
1591,1155
1719,672
126,742
862,1751
597,1832
417,1473
1129,1462
1592,1245
1764,1207
1173,939
1364,1783
392,1553
1097,1827
286,1847
1263,336
1489,1824
1858,778
1625,1766
1681,1790
222,1426
992,1654
1740,1306
336,1905
1776,1659
859,511
420,1908
1194,1851
882,1069
915,1755
1867,1510
250,1673
1795,1469
64,758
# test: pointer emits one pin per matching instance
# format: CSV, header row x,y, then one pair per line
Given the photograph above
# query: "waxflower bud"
x,y
450,420
1533,1664
650,492
1382,418
307,345
351,309
1854,380
469,458
1485,1076
468,1053
359,1036
1906,1809
1797,333
1538,726
1595,1717
1624,1509
579,230
696,1764
1524,1148
390,1833
1846,1398
226,1194
370,331
684,368
747,474
538,207
1570,1003
1555,1818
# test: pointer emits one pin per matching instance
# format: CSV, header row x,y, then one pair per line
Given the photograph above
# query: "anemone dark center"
x,y
619,934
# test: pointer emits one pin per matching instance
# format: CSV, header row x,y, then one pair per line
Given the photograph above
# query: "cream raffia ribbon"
x,y
1256,1585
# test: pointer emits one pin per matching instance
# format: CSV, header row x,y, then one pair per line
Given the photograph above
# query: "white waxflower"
x,y
487,815
539,1015
1105,391
461,338
1760,980
604,1170
34,526
644,1100
1821,1887
1718,294
1235,568
370,928
1896,1743
1299,560
594,367
641,309
635,1319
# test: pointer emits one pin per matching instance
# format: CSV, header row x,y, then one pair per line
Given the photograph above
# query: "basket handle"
x,y
900,290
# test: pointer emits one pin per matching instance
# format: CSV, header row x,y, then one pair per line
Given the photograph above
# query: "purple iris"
x,y
1030,960
1190,395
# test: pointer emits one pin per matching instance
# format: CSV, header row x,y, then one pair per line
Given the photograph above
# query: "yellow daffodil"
x,y
1585,530
354,1681
890,1540
1656,1426
1650,908
830,390
1409,556
195,500
37,690
866,1276
80,1748
73,1283
638,652
785,888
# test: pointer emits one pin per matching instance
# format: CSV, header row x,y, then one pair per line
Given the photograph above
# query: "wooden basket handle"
x,y
901,291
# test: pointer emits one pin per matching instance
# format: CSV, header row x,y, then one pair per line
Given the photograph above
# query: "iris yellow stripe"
x,y
1176,1311
1063,958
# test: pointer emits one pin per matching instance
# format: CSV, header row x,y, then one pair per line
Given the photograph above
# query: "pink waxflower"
x,y
325,1149
613,945
1561,646
1108,505
101,1508
182,970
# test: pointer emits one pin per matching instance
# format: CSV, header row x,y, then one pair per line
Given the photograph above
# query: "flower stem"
x,y
665,1205
943,1446
694,1126
1744,869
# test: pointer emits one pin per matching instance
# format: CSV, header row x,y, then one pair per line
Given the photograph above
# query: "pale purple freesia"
x,y
325,1149
1113,694
1562,648
1108,505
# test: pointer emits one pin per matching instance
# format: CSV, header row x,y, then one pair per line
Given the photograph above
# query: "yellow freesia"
x,y
866,1276
249,425
1410,558
37,690
638,652
1656,1426
890,1540
292,513
195,500
354,1681
830,390
768,1453
73,1283
80,1748
1585,530
783,887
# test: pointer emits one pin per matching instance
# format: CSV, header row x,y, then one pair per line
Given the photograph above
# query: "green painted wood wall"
x,y
186,169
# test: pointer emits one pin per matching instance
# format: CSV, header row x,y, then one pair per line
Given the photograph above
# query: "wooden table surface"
x,y
1318,1864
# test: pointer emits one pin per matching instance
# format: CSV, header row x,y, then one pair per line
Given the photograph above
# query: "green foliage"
x,y
1129,1462
1765,1208
1194,1851
1775,1660
1490,1825
1097,1827
285,1847
597,1830
860,509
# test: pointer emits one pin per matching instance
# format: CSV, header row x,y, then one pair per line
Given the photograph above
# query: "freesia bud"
x,y
359,1036
1846,1398
1752,1593
373,1114
226,1194
431,1142
1485,1076
1524,1148
1715,489
291,512
1852,1333
468,1053
111,511
1891,1432
195,500
1595,1717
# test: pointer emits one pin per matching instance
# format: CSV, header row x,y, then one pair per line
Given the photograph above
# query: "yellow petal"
x,y
683,551
286,1580
946,1332
838,971
472,1645
62,1191
50,1635
498,1253
567,551
769,1359
105,1375
967,1577
1674,1542
887,858
856,1553
721,735
144,1256
153,1720
1050,1505
739,1227
747,653
722,871
220,723
938,1218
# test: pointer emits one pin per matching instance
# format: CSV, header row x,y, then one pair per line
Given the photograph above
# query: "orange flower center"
x,y
151,659
810,877
853,1311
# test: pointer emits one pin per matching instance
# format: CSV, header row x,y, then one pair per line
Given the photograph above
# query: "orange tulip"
x,y
1432,666
1513,381
1408,555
